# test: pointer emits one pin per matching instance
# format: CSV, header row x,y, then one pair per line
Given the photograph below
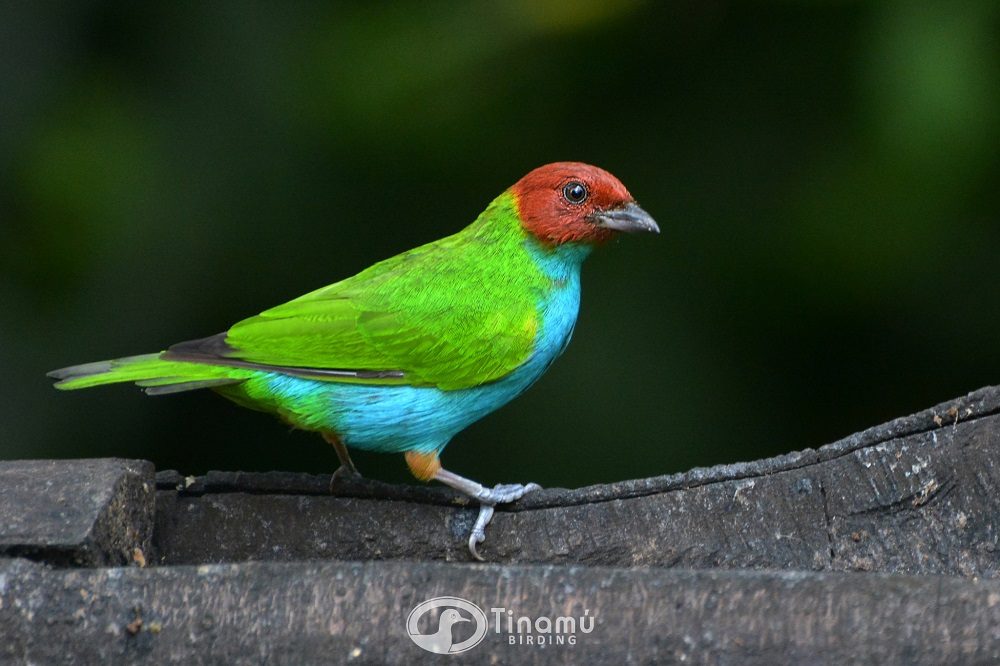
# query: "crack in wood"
x,y
828,519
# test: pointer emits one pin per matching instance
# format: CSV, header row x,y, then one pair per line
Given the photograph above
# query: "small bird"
x,y
407,353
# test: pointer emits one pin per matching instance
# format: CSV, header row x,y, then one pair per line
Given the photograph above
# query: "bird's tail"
x,y
155,374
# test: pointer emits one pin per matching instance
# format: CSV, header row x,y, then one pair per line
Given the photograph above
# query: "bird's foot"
x,y
489,497
344,474
347,471
505,492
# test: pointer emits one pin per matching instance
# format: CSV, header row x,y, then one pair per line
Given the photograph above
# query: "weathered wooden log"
x,y
917,495
304,613
886,542
76,513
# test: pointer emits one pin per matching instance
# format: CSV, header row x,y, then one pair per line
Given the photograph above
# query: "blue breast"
x,y
405,418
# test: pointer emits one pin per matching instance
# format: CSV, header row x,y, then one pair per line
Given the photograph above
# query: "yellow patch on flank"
x,y
530,326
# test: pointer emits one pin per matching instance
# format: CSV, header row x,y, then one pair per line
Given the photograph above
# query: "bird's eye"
x,y
575,193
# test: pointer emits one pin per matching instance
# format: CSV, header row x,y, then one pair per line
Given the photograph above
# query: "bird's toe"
x,y
478,534
503,493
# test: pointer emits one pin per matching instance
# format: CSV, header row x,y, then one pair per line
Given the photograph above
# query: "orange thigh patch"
x,y
422,465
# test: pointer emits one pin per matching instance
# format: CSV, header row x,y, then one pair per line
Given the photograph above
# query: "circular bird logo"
x,y
445,613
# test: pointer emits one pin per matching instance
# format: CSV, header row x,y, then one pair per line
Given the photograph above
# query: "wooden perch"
x,y
916,495
302,613
879,548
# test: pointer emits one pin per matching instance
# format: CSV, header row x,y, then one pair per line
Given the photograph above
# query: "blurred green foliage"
x,y
825,173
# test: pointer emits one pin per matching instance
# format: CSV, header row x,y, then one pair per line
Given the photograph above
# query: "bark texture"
x,y
879,548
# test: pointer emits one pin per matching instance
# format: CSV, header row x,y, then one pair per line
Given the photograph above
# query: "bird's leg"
x,y
487,498
347,468
498,494
427,466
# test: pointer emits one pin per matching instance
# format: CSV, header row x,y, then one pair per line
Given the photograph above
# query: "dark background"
x,y
826,174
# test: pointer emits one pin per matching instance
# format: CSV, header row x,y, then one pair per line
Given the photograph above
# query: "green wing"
x,y
453,314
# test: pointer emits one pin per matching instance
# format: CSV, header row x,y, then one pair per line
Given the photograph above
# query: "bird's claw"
x,y
344,474
479,529
488,498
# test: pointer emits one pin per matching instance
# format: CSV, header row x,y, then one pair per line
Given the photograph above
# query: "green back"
x,y
454,313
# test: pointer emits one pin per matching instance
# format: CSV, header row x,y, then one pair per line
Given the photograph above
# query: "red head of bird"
x,y
574,202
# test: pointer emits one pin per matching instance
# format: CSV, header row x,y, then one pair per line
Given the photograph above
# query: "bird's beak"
x,y
629,218
462,619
